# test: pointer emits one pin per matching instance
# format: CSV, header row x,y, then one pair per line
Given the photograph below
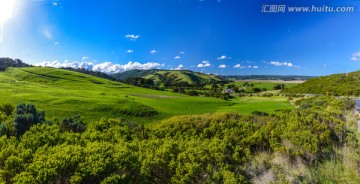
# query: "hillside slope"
x,y
169,76
338,84
62,93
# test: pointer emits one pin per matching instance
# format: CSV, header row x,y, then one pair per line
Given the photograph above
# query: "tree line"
x,y
9,62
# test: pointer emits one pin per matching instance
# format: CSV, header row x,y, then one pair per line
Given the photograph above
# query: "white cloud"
x,y
47,34
356,56
55,3
85,58
177,57
204,64
66,64
223,57
180,67
182,52
153,51
238,66
132,37
106,67
287,64
130,51
249,66
222,66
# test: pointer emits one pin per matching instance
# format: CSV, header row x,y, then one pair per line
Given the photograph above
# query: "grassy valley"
x,y
129,134
65,93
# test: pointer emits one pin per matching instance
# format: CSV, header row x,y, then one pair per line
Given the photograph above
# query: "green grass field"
x,y
269,85
182,76
63,93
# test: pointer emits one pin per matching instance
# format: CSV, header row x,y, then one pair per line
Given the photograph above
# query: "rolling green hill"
x,y
170,76
133,73
188,138
338,84
62,93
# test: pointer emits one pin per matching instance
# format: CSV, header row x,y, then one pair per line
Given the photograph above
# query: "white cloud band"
x,y
106,67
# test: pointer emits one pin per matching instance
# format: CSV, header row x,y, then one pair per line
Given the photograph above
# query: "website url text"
x,y
306,9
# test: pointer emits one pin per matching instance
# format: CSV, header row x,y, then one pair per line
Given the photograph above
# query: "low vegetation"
x,y
304,145
70,127
347,84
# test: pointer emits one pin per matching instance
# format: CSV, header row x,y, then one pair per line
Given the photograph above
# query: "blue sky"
x,y
229,37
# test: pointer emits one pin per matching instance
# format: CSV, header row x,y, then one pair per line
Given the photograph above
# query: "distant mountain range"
x,y
269,77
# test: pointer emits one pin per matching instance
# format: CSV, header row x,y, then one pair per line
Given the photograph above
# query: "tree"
x,y
149,82
279,87
231,86
135,81
256,90
73,124
7,109
182,91
214,86
25,117
175,89
192,93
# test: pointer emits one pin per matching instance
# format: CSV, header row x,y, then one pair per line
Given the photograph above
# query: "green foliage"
x,y
26,115
141,82
303,145
169,77
6,109
9,62
259,113
347,84
6,116
256,90
192,93
73,124
279,87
